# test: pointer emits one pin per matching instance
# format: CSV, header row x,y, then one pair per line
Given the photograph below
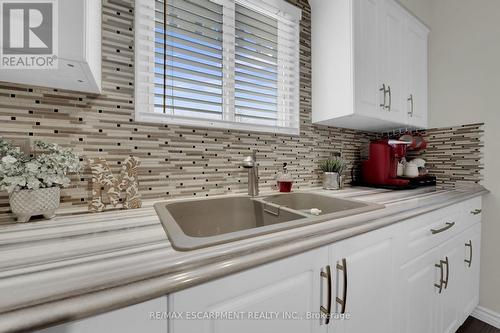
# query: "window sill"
x,y
157,118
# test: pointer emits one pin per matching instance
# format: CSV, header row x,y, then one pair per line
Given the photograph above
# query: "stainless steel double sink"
x,y
194,224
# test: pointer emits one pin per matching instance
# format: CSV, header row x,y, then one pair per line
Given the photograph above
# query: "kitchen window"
x,y
218,63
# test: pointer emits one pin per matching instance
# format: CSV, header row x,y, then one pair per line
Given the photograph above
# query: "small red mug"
x,y
285,186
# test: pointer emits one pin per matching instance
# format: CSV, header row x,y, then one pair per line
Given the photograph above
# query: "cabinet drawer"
x,y
430,230
424,232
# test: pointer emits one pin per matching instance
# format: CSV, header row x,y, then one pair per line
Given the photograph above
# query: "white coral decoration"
x,y
48,168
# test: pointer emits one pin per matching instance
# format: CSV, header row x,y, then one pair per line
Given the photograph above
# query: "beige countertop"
x,y
77,266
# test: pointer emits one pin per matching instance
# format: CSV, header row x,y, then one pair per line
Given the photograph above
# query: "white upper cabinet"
x,y
392,60
368,86
415,67
369,61
78,41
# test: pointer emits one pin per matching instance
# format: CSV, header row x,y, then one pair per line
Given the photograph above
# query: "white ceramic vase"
x,y
27,203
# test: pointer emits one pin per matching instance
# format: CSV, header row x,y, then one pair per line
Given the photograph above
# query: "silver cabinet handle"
x,y
441,280
447,263
476,211
384,91
469,245
448,226
390,98
342,302
328,310
410,99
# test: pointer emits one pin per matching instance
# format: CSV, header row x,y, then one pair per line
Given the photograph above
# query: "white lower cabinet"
x,y
450,262
416,309
288,287
438,290
346,271
418,276
471,246
363,282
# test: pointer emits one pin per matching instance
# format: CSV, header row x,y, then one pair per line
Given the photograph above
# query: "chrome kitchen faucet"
x,y
250,163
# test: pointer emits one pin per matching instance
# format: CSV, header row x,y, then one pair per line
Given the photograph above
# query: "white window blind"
x,y
218,63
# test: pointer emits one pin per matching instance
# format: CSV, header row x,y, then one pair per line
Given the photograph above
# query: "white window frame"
x,y
145,66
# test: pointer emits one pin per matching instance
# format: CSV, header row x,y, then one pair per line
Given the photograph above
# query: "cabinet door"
x,y
266,299
367,44
364,281
418,296
471,246
449,311
416,102
392,32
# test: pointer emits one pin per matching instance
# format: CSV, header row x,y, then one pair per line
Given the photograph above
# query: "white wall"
x,y
420,8
465,88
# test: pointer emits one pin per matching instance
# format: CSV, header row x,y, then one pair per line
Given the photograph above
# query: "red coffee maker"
x,y
382,165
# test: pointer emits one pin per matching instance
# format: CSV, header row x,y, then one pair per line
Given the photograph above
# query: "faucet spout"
x,y
250,163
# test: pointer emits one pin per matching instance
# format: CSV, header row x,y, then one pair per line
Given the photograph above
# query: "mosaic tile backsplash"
x,y
176,161
179,161
454,154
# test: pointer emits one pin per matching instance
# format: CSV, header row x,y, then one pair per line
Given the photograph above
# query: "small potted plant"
x,y
332,172
33,181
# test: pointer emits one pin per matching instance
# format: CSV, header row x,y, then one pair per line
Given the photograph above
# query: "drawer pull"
x,y
328,310
441,280
469,245
476,211
448,226
342,302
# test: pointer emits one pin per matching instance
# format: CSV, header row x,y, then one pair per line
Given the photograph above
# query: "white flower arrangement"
x,y
20,171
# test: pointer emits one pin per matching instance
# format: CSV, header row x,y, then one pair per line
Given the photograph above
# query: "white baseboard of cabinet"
x,y
489,317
